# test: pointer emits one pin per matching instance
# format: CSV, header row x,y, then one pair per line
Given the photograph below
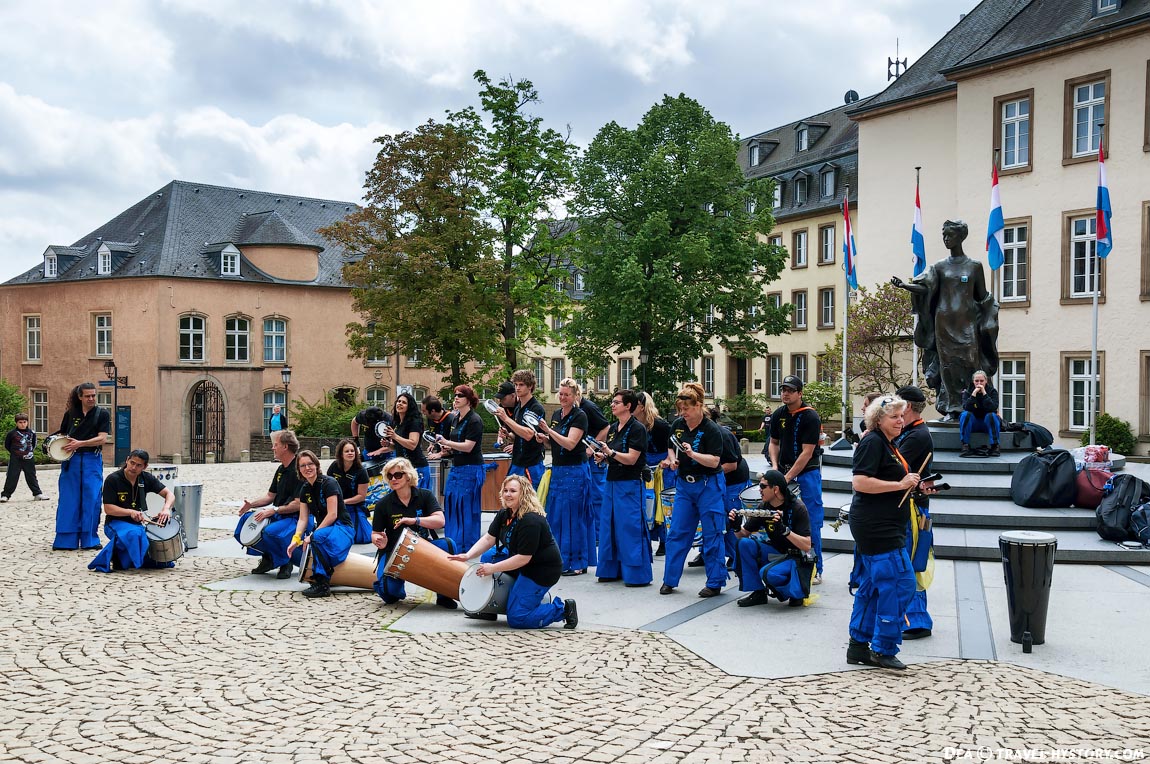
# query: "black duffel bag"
x,y
1122,496
1045,479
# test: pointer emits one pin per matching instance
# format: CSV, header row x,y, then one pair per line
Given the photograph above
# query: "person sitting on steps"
x,y
979,413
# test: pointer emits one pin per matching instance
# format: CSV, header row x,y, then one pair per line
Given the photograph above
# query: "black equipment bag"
x,y
1140,523
1039,435
1045,479
1125,494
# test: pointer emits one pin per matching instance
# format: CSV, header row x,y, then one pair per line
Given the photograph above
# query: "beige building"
x,y
201,296
1030,83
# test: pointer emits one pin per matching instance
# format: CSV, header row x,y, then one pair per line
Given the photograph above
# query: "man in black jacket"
x,y
979,413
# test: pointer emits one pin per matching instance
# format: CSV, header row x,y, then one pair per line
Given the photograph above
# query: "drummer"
x,y
348,471
125,493
281,505
463,492
527,449
524,545
86,427
331,540
364,423
770,549
411,507
407,436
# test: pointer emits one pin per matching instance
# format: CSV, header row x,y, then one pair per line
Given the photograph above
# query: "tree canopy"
x,y
880,326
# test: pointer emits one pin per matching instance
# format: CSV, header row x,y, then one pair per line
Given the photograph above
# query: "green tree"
x,y
11,404
668,238
426,279
880,326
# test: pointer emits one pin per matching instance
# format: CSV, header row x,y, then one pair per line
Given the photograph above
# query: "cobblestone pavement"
x,y
149,666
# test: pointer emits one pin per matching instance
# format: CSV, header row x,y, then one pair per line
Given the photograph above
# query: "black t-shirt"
x,y
367,422
529,535
285,484
527,452
794,517
732,454
412,424
706,439
119,492
632,436
80,427
659,437
914,444
21,443
576,420
595,419
314,497
349,480
442,427
878,524
468,428
391,509
793,431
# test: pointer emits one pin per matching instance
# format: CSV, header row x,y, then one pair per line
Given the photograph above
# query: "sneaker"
x,y
696,563
608,579
886,661
264,566
858,653
757,597
666,589
480,616
318,588
965,450
3,499
707,591
570,614
285,572
994,450
817,580
38,497
795,603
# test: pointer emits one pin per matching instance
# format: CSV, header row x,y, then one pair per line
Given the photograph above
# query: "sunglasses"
x,y
685,398
886,400
460,395
764,486
396,475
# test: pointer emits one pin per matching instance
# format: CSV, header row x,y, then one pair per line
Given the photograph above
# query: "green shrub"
x,y
327,419
755,436
1114,432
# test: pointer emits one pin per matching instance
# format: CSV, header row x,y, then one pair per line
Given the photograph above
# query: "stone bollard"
x,y
745,445
177,459
245,455
325,452
210,457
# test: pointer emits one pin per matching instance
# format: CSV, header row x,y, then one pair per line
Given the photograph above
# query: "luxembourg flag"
x,y
995,233
1102,236
917,242
850,254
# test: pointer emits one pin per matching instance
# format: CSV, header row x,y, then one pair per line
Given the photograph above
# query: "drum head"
x,y
253,530
490,405
306,566
531,419
429,437
750,497
400,549
381,429
475,590
164,532
56,448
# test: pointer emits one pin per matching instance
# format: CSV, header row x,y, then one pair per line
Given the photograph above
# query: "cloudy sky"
x,y
103,102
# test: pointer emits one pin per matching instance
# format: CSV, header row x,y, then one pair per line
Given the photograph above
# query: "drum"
x,y
667,500
486,594
531,419
381,429
165,542
357,570
751,497
493,483
490,405
253,530
377,486
165,473
418,561
54,447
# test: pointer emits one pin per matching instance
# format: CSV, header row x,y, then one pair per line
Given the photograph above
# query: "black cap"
x,y
775,479
910,393
792,382
505,389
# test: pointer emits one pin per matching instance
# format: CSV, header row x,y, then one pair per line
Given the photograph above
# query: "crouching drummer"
x,y
524,545
409,507
321,501
281,505
771,562
125,493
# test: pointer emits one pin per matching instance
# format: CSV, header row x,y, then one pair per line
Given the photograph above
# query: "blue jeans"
x,y
330,547
127,547
624,548
534,472
811,484
463,504
886,586
276,538
699,503
988,423
526,608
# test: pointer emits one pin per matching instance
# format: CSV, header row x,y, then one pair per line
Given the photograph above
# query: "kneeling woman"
x,y
125,491
411,507
524,546
330,542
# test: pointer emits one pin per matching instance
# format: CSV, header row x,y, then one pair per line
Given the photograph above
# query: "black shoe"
x,y
730,563
887,661
661,549
915,633
570,614
859,654
95,547
696,563
965,450
757,597
285,572
480,616
796,603
707,591
665,589
607,580
264,566
994,451
318,588
574,572
637,586
446,602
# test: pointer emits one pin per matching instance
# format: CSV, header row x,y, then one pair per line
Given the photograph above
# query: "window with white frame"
x,y
378,396
229,262
709,376
799,253
33,346
775,300
826,308
603,380
39,411
799,366
1015,133
558,322
1089,111
580,282
415,357
558,372
237,339
750,206
753,154
826,244
103,263
191,338
102,334
827,183
1106,6
803,139
540,370
1012,378
380,354
799,309
104,401
51,267
775,241
1083,257
1079,378
626,372
582,379
419,393
275,340
775,372
710,314
272,398
1013,279
800,189
778,194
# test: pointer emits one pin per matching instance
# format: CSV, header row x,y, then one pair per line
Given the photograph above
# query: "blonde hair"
x,y
650,411
528,499
887,405
406,467
693,391
573,386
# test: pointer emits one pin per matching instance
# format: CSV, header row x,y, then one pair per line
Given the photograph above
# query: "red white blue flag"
x,y
850,254
917,241
996,229
1102,234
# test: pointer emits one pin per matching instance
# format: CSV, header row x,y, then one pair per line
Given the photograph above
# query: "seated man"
x,y
774,553
125,491
282,505
979,413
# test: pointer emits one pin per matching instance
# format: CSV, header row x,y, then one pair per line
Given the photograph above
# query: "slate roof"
x,y
175,231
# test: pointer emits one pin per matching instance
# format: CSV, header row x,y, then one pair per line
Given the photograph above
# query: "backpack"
x,y
1045,479
1124,494
1140,523
1039,435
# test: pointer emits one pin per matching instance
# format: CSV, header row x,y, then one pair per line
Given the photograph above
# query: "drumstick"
x,y
925,462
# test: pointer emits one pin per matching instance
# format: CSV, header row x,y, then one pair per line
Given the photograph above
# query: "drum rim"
x,y
51,442
173,523
398,543
259,532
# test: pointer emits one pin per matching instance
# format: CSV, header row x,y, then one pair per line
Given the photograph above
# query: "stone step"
x,y
981,485
985,513
947,462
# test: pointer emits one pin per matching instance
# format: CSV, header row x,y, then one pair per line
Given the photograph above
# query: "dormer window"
x,y
800,190
803,139
229,261
51,267
827,183
103,263
1102,7
778,194
754,154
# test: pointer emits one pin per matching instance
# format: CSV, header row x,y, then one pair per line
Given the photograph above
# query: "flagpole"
x,y
1092,402
914,316
846,310
995,290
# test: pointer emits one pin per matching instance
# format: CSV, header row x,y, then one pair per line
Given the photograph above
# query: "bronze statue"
x,y
957,321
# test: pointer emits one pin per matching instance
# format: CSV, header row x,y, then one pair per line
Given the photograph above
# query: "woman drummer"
x,y
463,494
569,495
407,435
879,519
348,471
85,426
330,542
125,493
524,545
658,432
624,541
408,507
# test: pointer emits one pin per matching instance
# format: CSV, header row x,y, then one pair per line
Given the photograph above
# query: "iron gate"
x,y
207,421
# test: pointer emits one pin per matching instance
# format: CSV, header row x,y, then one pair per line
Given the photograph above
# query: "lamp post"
x,y
285,376
643,356
113,375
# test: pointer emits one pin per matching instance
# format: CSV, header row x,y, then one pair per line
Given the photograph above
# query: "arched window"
x,y
419,393
346,396
192,332
377,396
275,340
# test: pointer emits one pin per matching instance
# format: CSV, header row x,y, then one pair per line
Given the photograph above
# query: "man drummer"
x,y
770,549
281,505
527,450
364,423
125,493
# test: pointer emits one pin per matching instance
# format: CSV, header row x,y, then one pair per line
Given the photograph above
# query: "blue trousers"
x,y
917,616
811,484
988,423
756,572
624,548
699,503
730,540
127,547
569,515
534,472
276,539
392,590
463,504
81,502
598,493
886,586
362,533
526,608
424,481
330,547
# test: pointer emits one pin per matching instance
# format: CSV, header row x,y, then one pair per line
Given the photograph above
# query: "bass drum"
x,y
486,594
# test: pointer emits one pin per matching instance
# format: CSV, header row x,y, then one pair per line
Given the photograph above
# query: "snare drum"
x,y
165,542
165,473
54,447
253,530
418,561
486,594
357,570
751,497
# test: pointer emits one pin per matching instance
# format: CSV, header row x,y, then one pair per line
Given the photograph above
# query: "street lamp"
x,y
285,376
643,356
